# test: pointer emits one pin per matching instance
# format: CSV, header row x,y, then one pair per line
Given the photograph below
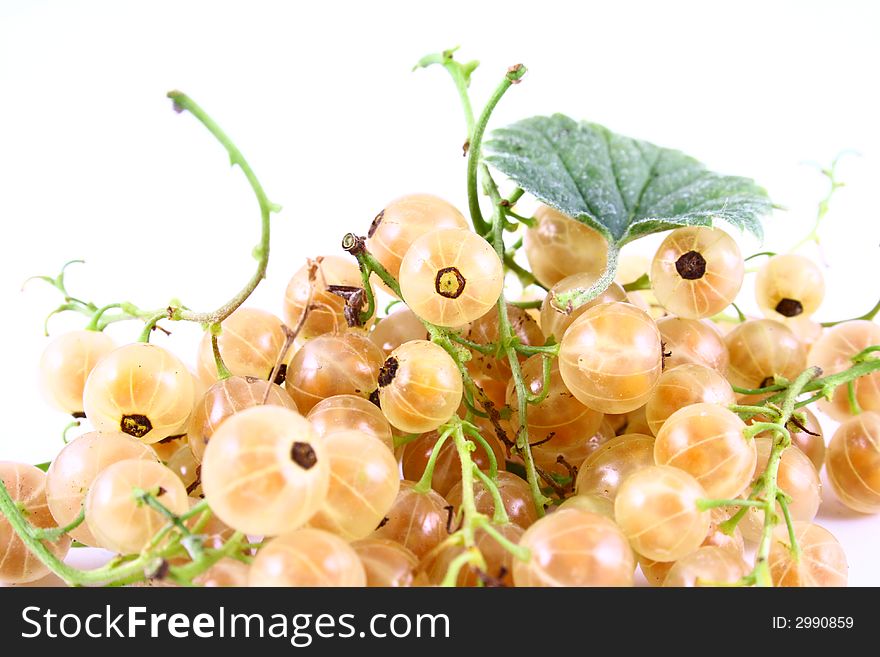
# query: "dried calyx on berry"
x,y
303,455
387,372
789,307
355,298
135,425
691,266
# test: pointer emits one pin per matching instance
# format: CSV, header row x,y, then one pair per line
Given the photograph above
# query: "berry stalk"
x,y
514,75
98,317
863,366
766,492
118,572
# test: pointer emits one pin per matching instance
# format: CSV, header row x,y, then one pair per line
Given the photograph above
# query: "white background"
x,y
321,99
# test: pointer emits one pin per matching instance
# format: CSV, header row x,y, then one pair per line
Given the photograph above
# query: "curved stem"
x,y
368,312
789,523
460,74
871,314
526,305
520,552
767,489
513,76
546,367
471,431
833,185
572,299
759,391
54,533
508,340
706,504
471,556
525,277
96,317
751,411
468,506
643,282
499,515
150,324
70,575
854,407
182,102
424,484
223,372
73,425
862,367
769,254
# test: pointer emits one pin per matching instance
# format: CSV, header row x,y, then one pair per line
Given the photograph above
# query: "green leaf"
x,y
622,187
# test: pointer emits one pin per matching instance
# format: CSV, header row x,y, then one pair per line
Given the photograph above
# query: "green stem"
x,y
822,385
519,551
751,411
148,498
572,299
499,515
740,315
789,523
471,556
223,372
96,317
471,431
487,349
768,489
551,350
400,441
508,339
460,74
54,533
368,312
641,283
186,573
759,391
73,425
70,575
468,506
769,254
865,354
424,484
729,525
871,314
515,195
854,407
526,278
513,76
537,303
705,505
150,324
546,363
182,102
833,185
529,222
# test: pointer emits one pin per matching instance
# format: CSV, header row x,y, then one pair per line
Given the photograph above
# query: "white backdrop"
x,y
321,99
